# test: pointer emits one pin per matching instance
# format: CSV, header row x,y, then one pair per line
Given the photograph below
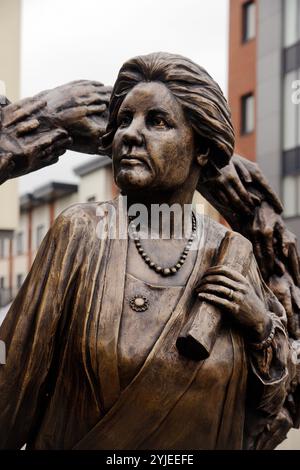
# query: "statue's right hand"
x,y
22,153
7,166
26,144
17,117
81,108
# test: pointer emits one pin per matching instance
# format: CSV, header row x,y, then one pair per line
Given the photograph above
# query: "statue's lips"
x,y
132,160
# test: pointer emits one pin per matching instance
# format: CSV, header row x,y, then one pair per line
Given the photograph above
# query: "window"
x,y
297,105
247,113
291,22
249,21
39,235
19,280
289,113
20,243
2,247
2,93
291,162
289,196
291,125
291,146
291,58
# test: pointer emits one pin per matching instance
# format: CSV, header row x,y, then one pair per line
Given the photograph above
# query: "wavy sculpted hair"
x,y
200,96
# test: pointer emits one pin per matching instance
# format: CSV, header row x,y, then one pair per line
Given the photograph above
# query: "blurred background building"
x,y
10,20
264,62
38,210
264,65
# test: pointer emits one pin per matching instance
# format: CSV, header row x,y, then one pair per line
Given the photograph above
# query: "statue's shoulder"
x,y
216,232
213,230
81,215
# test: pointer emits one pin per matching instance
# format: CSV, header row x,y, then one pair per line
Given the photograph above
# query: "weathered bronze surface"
x,y
211,363
36,131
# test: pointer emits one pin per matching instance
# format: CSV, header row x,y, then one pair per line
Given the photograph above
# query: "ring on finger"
x,y
231,294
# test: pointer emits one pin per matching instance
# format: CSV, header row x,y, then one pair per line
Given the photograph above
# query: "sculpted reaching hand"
x,y
79,107
25,143
245,199
35,132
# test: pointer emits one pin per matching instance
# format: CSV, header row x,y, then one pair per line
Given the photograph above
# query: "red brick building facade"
x,y
242,72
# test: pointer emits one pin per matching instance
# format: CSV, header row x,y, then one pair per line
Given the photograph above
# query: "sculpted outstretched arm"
x,y
80,108
35,132
26,145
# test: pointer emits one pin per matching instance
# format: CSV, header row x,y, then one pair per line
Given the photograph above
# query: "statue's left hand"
x,y
229,290
228,194
238,190
251,176
275,247
246,200
79,107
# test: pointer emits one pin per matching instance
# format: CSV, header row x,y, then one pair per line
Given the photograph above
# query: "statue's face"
x,y
153,146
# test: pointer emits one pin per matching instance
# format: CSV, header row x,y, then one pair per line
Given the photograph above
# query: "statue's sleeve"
x,y
269,367
29,333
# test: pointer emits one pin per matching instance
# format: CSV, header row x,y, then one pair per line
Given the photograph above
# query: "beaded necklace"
x,y
171,270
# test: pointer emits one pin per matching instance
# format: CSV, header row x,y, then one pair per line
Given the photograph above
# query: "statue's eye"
x,y
124,120
158,121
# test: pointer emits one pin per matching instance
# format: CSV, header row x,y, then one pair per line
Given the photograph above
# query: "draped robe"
x,y
60,382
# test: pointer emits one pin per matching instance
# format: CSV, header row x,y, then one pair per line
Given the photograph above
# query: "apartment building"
x,y
38,210
264,73
264,66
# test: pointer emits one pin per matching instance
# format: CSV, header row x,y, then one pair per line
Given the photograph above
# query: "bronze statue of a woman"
x,y
92,356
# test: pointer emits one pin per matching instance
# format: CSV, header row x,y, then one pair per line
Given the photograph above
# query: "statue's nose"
x,y
132,135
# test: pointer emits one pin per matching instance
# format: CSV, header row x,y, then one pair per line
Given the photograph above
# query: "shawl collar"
x,y
128,421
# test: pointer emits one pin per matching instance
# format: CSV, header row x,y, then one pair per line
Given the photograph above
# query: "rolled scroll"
x,y
199,333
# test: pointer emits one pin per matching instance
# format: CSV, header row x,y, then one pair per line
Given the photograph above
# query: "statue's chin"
x,y
133,180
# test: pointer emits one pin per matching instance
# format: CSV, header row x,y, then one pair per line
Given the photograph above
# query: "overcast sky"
x,y
64,40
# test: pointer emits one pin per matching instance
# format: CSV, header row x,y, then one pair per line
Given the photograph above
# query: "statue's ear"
x,y
208,168
202,157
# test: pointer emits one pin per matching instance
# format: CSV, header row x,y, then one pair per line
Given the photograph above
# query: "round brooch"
x,y
139,303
